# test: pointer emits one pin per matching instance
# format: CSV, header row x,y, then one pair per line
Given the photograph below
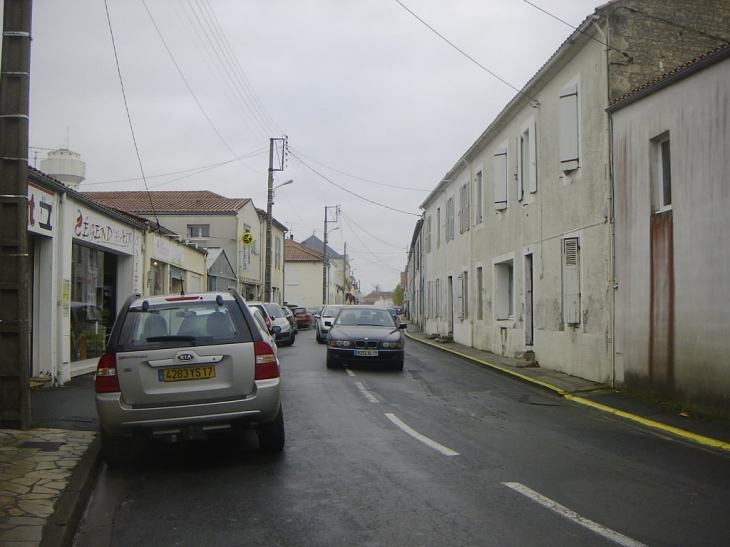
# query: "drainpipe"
x,y
613,285
471,258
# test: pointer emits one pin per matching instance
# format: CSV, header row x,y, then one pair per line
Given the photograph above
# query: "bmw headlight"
x,y
392,345
340,343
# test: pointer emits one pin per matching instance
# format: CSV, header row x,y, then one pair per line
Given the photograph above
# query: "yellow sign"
x,y
247,239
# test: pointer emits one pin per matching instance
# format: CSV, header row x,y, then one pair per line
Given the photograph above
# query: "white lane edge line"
x,y
369,396
349,372
572,515
416,435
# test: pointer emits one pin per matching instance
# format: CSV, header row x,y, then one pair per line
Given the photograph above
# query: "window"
x,y
437,299
464,208
500,178
526,160
480,293
199,231
571,281
438,227
479,196
569,128
450,218
504,290
661,173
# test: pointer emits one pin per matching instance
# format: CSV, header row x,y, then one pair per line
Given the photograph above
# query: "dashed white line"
x,y
572,515
369,396
425,440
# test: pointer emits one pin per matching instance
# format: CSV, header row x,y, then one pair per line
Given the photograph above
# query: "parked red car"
x,y
305,319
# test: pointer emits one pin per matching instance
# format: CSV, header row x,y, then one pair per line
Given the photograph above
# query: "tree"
x,y
399,296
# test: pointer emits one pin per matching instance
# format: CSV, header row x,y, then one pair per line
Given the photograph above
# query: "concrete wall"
x,y
684,359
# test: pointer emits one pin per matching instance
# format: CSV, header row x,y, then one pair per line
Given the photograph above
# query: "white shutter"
x,y
569,128
571,281
500,179
532,143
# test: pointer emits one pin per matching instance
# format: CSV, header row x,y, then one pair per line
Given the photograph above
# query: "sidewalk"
x,y
47,473
705,430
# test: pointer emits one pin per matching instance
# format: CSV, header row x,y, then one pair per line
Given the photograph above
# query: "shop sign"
x,y
96,228
40,210
167,251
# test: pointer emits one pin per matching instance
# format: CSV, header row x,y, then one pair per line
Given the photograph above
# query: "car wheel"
x,y
271,434
292,338
320,340
116,451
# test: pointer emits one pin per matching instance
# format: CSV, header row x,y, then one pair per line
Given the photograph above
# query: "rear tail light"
x,y
107,380
267,366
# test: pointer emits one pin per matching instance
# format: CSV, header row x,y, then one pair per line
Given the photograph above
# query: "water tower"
x,y
65,166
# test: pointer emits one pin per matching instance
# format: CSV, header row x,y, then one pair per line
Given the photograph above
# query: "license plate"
x,y
366,352
186,373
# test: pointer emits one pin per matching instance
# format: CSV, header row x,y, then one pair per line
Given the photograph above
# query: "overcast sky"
x,y
376,105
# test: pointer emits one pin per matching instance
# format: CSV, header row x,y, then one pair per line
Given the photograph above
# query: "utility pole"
x,y
329,212
269,206
14,266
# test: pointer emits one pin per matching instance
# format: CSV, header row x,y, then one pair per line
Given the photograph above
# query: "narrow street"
x,y
445,453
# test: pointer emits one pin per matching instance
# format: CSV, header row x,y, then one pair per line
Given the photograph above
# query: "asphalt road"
x,y
445,453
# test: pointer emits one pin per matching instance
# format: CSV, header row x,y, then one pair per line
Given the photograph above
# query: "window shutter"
x,y
569,128
500,179
571,288
532,143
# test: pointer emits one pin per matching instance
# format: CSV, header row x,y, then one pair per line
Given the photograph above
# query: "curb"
x,y
61,527
699,439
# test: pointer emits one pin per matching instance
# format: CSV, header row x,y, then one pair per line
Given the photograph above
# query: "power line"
x,y
464,53
126,107
350,192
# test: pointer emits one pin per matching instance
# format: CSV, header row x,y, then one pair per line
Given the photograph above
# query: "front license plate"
x,y
186,373
366,353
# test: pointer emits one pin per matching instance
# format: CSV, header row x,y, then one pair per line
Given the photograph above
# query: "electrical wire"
x,y
129,116
429,27
350,192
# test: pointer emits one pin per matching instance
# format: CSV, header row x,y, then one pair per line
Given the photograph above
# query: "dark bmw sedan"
x,y
365,335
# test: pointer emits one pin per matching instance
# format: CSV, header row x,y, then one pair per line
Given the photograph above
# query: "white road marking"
x,y
350,372
425,440
572,515
369,396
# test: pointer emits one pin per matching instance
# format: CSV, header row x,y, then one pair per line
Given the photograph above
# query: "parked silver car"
x,y
285,336
181,367
328,314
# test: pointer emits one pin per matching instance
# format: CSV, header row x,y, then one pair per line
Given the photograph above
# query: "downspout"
x,y
465,305
610,339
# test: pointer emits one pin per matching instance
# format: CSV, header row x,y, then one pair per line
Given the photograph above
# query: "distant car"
x,y
181,367
328,313
305,318
285,336
365,335
292,320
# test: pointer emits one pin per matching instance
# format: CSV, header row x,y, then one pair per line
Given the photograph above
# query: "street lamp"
x,y
269,217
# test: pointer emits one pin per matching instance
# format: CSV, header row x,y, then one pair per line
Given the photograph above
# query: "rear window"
x,y
274,310
187,323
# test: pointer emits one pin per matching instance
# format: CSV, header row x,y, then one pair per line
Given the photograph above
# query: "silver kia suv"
x,y
183,366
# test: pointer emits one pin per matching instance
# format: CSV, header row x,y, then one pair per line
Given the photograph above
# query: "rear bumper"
x,y
118,418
